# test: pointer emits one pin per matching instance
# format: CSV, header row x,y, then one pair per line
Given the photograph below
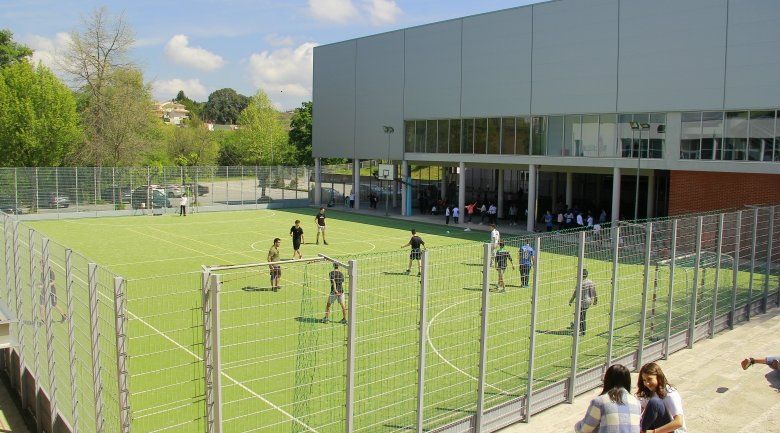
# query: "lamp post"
x,y
389,130
635,126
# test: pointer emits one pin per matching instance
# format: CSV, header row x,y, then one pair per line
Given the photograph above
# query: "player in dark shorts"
x,y
415,242
320,220
275,270
53,297
296,232
336,293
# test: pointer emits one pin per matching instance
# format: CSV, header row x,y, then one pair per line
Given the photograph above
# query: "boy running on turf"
x,y
416,254
276,270
320,220
526,260
336,293
501,257
296,232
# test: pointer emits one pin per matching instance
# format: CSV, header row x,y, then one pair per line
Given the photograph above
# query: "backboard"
x,y
386,172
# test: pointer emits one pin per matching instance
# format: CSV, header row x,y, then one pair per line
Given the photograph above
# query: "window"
x,y
573,140
494,136
508,136
555,135
409,135
762,131
735,136
538,136
711,135
480,136
467,138
455,136
590,136
444,131
690,136
524,136
430,142
420,145
607,134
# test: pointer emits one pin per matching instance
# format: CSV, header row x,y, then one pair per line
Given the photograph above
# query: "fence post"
x,y
7,244
695,296
352,313
670,306
121,354
645,289
423,334
575,330
529,392
768,268
76,183
34,313
46,280
735,270
97,383
613,303
207,359
71,342
487,252
719,246
752,263
216,371
19,311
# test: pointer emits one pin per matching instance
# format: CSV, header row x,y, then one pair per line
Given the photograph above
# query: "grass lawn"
x,y
284,370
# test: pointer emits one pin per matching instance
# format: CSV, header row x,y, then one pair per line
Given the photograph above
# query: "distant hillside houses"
x,y
171,112
213,127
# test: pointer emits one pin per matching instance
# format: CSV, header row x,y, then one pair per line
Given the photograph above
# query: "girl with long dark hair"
x,y
615,410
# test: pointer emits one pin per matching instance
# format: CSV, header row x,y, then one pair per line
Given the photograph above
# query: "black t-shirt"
x,y
296,232
338,277
416,242
501,256
320,219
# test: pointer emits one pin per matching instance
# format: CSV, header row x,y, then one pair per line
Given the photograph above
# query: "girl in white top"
x,y
662,410
183,205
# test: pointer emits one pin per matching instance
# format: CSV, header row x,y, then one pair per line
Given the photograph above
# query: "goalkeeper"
x,y
336,293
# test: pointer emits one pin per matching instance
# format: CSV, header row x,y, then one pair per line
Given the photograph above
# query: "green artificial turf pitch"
x,y
284,370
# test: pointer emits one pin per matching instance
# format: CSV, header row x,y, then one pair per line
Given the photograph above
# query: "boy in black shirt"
x,y
501,257
416,254
320,220
336,293
296,232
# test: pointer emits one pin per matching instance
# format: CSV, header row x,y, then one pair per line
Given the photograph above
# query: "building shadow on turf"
x,y
395,273
257,289
566,332
474,264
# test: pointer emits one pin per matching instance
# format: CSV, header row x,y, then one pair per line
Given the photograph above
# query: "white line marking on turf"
x,y
428,337
223,374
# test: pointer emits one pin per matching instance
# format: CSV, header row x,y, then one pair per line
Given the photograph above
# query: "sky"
x,y
201,46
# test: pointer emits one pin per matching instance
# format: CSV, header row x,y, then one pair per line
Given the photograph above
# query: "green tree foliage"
x,y
114,102
10,51
300,134
193,106
223,107
261,140
193,144
38,119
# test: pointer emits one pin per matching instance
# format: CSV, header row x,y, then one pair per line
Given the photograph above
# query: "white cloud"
x,y
278,41
45,49
382,11
165,90
177,50
339,11
284,71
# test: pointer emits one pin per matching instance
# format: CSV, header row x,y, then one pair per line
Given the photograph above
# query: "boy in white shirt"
x,y
183,205
455,214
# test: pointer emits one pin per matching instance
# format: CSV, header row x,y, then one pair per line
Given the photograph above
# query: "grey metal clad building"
x,y
565,89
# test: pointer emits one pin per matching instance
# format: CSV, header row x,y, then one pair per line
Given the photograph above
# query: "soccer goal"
x,y
684,272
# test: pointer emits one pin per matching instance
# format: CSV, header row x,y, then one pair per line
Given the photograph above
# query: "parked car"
x,y
202,189
116,194
152,196
173,190
53,200
328,194
10,206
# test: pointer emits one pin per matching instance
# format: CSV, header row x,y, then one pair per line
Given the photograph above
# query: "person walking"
x,y
52,295
513,215
415,242
526,257
275,270
548,220
470,210
615,409
183,205
447,216
336,294
502,255
455,214
492,214
483,213
560,219
320,221
296,232
588,297
352,199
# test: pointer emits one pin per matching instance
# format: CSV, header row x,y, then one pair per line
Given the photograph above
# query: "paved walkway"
x,y
10,418
717,395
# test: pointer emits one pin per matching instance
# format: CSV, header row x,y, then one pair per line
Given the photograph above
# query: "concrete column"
x,y
394,186
569,189
615,194
651,194
500,188
554,192
462,191
530,223
317,182
404,189
356,183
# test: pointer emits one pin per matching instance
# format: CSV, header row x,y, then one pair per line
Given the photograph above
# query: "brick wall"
x,y
700,191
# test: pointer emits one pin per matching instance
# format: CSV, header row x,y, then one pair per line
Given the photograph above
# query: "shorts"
x,y
296,245
53,297
416,254
321,229
276,273
333,298
500,272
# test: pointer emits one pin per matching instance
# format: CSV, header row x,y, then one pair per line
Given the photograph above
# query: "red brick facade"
x,y
700,191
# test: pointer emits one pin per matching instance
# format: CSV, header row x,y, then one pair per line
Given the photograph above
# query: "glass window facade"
x,y
709,135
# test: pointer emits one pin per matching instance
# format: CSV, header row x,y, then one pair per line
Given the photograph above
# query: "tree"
x,y
224,106
12,52
193,144
115,103
260,136
300,134
189,104
38,118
